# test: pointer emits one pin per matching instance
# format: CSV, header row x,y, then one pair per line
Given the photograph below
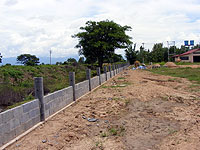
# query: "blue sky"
x,y
37,26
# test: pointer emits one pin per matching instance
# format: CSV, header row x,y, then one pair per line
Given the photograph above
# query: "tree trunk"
x,y
100,62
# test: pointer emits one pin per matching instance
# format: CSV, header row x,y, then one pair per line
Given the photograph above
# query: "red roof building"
x,y
189,56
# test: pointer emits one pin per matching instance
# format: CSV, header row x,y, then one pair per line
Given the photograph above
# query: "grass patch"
x,y
121,78
116,98
192,74
113,131
187,63
119,131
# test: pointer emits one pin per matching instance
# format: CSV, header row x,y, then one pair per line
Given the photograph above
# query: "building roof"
x,y
188,52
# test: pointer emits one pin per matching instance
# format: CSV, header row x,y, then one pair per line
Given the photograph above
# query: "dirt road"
x,y
136,110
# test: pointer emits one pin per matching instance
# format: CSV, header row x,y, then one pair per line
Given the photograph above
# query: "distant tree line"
x,y
158,53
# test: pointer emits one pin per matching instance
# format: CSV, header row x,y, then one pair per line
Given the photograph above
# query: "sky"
x,y
38,26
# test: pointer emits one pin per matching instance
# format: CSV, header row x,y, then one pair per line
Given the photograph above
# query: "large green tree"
x,y
28,59
98,40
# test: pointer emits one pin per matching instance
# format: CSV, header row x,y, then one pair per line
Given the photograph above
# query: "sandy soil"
x,y
136,110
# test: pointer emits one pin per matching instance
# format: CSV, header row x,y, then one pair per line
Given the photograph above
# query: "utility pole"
x,y
50,56
168,45
174,46
143,53
168,49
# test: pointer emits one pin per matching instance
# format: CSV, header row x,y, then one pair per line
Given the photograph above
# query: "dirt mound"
x,y
170,64
156,65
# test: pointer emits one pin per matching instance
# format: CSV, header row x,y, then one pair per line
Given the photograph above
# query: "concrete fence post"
x,y
116,69
109,67
88,77
72,83
113,68
105,71
99,74
39,94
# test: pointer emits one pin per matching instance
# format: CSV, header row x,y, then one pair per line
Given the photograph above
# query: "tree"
x,y
98,40
131,54
114,58
159,53
28,59
117,58
81,60
71,60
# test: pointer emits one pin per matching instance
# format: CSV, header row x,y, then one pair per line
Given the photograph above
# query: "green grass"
x,y
187,63
17,82
192,74
113,131
121,78
119,131
121,85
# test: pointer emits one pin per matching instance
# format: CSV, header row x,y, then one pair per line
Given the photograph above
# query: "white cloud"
x,y
37,26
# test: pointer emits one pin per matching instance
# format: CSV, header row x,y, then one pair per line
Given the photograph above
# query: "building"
x,y
189,56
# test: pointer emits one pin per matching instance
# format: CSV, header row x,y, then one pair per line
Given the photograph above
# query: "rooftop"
x,y
188,52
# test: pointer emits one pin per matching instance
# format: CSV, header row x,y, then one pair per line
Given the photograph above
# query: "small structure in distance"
x,y
189,56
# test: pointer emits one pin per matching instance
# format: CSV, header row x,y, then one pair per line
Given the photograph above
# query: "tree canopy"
x,y
28,59
81,60
71,60
98,40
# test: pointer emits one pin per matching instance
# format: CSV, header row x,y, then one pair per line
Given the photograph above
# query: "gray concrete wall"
x,y
94,82
15,121
103,78
57,100
81,88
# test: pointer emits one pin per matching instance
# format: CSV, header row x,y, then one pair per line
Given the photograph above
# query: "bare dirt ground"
x,y
136,110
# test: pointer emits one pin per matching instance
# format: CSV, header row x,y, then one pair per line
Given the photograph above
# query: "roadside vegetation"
x,y
17,82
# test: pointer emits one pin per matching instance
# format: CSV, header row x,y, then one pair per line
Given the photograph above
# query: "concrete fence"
x,y
15,121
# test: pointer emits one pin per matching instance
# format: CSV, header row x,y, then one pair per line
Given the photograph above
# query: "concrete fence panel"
x,y
108,75
57,100
112,73
103,78
81,88
94,82
15,121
